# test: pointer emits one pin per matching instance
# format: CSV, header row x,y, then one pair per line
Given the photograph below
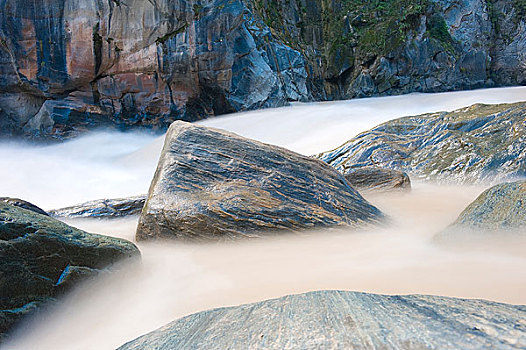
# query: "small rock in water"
x,y
40,257
117,207
346,320
378,179
212,184
499,208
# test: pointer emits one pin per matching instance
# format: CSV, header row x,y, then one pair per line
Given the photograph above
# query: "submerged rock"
x,y
41,257
346,320
378,179
501,207
212,184
100,208
469,145
22,204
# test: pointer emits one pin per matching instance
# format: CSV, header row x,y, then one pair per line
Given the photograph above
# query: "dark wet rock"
x,y
366,48
41,257
474,144
212,184
101,208
378,179
22,204
499,208
346,320
70,66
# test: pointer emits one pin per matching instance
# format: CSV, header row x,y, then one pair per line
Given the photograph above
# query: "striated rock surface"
x,y
79,64
377,179
474,144
67,66
103,208
346,320
41,257
366,48
212,184
501,207
17,202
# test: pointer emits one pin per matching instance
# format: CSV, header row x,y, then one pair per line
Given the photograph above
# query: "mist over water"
x,y
176,279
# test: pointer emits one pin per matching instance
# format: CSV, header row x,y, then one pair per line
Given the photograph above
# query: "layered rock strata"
x,y
103,208
67,66
481,143
214,185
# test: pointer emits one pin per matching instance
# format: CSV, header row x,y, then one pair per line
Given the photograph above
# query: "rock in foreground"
x,y
378,179
346,320
502,207
40,257
473,144
212,184
102,208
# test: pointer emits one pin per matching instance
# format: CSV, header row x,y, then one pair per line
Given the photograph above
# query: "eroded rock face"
x,y
103,208
79,64
346,320
499,208
212,184
378,179
41,257
481,143
67,66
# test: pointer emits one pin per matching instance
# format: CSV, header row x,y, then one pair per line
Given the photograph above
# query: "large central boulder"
x,y
212,184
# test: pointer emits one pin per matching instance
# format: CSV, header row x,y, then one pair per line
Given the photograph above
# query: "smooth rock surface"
x,y
377,179
41,257
17,202
346,320
481,143
499,208
101,208
212,184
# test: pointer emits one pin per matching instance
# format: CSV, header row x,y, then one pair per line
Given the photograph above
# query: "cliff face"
x,y
356,48
67,65
70,65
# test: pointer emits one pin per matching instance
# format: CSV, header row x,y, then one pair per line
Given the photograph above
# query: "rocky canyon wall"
x,y
71,65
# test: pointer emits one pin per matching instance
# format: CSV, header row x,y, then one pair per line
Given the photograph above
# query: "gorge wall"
x,y
70,65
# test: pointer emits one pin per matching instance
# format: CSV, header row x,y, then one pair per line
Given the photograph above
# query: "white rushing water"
x,y
176,279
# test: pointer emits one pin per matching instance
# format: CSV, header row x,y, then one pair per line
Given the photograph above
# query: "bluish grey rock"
x,y
500,208
41,257
481,143
215,185
103,208
346,320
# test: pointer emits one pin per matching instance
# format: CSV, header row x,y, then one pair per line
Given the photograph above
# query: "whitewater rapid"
x,y
176,279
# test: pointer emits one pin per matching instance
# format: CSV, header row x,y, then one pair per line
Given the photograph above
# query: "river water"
x,y
176,279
